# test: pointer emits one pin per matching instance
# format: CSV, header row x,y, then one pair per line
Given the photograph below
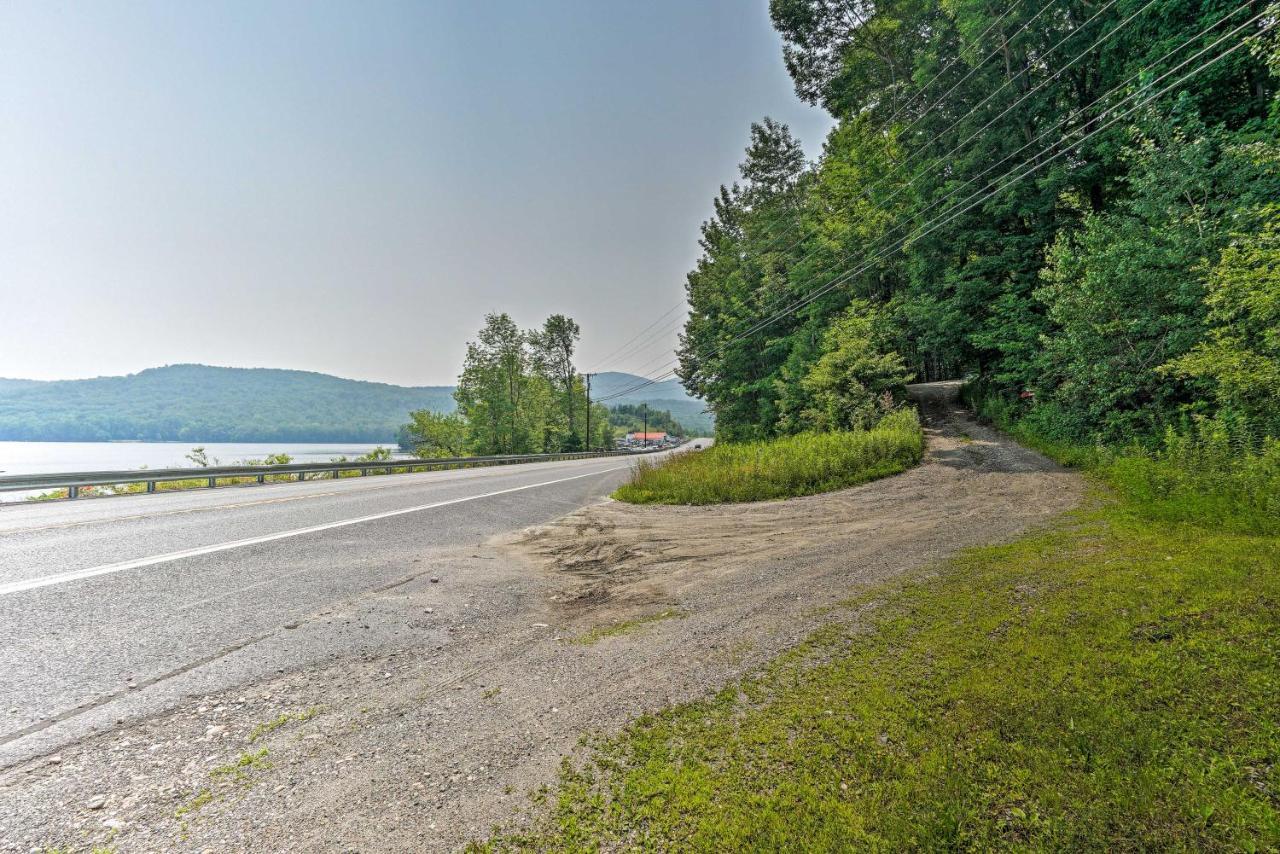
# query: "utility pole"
x,y
646,425
587,444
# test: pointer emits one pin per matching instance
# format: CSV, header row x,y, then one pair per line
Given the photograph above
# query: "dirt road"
x,y
573,628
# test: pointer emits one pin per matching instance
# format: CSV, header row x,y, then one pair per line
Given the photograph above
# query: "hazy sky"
x,y
349,187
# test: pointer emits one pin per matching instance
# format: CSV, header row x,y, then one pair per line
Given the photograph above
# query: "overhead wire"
x,y
952,212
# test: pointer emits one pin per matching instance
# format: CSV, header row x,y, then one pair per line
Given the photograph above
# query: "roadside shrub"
x,y
1205,477
1212,471
794,465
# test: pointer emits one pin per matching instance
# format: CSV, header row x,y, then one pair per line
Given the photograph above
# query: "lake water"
x,y
50,457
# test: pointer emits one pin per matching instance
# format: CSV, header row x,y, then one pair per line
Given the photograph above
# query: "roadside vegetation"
x,y
804,464
1109,683
519,393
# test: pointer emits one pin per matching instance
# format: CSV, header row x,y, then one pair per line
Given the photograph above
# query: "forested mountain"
x,y
199,403
7,385
617,383
669,395
1073,203
631,418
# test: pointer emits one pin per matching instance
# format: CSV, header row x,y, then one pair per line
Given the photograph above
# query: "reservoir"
x,y
49,457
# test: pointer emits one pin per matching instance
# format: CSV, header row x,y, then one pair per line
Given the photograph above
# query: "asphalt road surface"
x,y
114,608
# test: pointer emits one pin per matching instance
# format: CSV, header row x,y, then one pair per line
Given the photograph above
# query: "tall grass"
x,y
1210,472
780,468
1202,477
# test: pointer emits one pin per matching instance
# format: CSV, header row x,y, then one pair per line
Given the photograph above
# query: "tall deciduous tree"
x,y
553,348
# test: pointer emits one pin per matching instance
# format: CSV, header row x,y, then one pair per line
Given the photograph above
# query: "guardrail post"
x,y
262,478
151,486
302,475
73,492
335,473
213,483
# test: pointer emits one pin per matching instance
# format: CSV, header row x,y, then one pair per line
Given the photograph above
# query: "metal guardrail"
x,y
73,482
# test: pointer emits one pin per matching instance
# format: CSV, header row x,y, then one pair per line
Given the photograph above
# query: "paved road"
x,y
114,608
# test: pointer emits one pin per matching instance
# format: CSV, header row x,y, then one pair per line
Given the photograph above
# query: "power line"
x,y
947,216
866,193
953,60
665,314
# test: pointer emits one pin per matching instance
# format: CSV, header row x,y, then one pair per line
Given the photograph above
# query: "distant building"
x,y
651,438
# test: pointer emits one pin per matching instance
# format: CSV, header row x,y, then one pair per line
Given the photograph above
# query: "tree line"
x,y
519,393
1128,284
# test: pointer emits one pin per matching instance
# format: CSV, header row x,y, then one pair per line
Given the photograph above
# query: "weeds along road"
x,y
114,608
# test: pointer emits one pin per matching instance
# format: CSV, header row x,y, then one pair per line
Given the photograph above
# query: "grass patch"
x,y
198,801
1209,470
624,627
239,770
779,468
271,726
1107,684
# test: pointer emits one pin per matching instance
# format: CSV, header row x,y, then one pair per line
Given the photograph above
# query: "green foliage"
x,y
435,434
1078,283
779,468
494,389
1127,293
630,418
1105,685
553,347
854,382
198,403
519,393
1241,356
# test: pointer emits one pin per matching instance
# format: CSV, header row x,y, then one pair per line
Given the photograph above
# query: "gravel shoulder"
x,y
520,647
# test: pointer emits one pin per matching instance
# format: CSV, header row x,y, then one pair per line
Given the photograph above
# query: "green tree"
x,y
747,247
1126,293
434,434
1241,356
855,381
553,347
491,389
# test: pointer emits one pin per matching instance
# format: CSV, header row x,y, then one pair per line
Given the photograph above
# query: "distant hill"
x,y
198,403
668,395
13,385
606,384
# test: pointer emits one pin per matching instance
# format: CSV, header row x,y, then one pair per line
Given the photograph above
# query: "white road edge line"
x,y
106,569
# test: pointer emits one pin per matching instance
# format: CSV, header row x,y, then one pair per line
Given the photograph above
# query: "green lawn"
x,y
1112,683
780,468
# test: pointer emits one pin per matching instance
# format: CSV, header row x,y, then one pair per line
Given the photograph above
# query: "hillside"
x,y
200,403
669,395
8,385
